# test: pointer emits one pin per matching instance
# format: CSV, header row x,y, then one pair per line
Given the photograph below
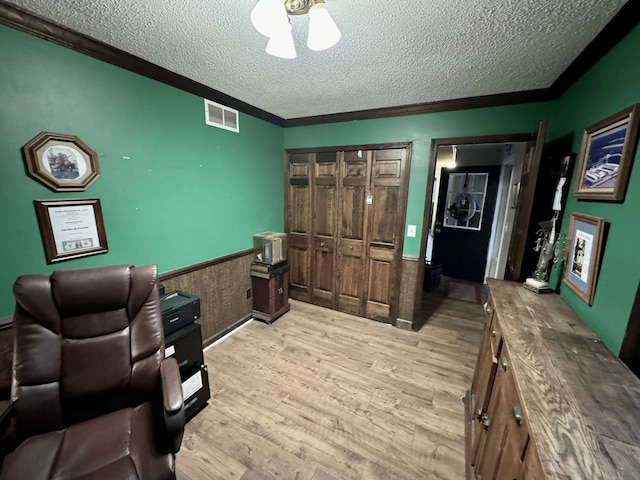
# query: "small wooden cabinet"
x,y
270,289
548,400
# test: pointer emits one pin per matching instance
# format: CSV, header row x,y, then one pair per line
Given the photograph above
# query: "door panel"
x,y
352,210
299,260
463,228
325,169
527,190
385,233
386,200
299,225
350,282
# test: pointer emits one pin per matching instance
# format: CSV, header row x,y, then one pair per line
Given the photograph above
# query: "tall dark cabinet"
x,y
183,341
185,345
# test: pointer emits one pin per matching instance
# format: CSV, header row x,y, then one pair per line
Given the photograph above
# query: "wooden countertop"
x,y
581,401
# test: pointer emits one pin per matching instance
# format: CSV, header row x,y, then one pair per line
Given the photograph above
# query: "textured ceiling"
x,y
392,53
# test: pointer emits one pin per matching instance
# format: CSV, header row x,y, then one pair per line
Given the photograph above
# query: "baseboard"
x,y
226,331
403,324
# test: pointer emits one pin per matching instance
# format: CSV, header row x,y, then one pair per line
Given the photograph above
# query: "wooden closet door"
x,y
355,171
386,228
325,171
298,219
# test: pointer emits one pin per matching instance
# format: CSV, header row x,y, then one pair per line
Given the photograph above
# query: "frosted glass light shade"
x,y
281,44
269,17
323,31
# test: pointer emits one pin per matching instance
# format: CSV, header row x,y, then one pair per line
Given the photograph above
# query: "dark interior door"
x,y
466,204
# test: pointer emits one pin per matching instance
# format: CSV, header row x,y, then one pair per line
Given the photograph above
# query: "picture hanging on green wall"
x,y
583,261
71,228
64,163
606,156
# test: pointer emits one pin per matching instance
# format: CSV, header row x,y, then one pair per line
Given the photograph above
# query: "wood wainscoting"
x,y
221,284
408,289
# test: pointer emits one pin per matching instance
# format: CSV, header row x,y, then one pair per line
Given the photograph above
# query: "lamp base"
x,y
537,286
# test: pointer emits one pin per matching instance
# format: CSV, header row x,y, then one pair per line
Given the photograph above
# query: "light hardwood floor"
x,y
321,395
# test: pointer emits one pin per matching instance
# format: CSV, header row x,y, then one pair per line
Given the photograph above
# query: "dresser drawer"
x,y
516,421
492,325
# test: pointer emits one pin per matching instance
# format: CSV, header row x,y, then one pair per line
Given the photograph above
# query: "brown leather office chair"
x,y
92,395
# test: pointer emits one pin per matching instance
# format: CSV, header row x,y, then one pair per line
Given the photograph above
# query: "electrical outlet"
x,y
248,293
411,231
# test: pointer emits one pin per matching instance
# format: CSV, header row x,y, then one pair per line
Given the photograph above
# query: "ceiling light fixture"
x,y
271,19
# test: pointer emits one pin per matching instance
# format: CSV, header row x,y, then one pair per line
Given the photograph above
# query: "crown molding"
x,y
510,98
618,27
52,32
622,23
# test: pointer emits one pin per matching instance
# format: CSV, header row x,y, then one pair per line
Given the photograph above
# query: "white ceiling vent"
x,y
220,116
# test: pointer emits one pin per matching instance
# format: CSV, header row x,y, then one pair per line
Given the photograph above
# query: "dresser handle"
x,y
485,421
517,414
505,363
493,333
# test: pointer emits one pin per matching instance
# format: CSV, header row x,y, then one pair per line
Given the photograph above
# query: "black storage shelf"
x,y
185,345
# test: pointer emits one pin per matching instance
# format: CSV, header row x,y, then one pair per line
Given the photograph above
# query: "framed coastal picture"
x,y
606,156
64,163
583,261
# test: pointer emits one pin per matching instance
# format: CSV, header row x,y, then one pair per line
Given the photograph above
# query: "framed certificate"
x,y
71,228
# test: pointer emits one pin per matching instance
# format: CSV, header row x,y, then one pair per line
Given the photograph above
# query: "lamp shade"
x,y
323,31
269,17
281,44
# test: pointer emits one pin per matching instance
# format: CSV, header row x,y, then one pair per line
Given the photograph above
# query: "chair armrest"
x,y
7,434
171,385
173,403
6,414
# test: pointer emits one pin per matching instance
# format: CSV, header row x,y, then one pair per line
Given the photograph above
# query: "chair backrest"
x,y
86,342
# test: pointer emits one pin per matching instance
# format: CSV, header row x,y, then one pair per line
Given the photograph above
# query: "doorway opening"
x,y
472,212
505,191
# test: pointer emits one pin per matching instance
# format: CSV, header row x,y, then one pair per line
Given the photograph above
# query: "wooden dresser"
x,y
548,399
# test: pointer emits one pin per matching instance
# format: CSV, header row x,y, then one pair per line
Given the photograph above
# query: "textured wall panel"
x,y
222,290
408,287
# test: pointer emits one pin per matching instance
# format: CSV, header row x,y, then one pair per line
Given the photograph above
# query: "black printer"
x,y
178,309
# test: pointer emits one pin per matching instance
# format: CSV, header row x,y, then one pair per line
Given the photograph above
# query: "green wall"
x,y
420,129
174,191
611,85
188,192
